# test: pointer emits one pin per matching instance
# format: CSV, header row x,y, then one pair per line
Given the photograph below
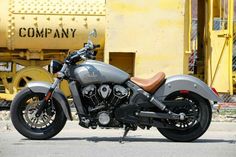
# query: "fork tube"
x,y
47,97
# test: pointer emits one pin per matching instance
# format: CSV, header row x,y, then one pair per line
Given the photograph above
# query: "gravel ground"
x,y
4,115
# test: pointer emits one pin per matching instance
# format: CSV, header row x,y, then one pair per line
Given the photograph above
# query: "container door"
x,y
219,45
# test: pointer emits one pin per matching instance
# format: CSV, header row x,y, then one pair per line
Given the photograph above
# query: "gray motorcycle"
x,y
180,107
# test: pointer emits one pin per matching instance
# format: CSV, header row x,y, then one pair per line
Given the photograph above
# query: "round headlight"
x,y
55,66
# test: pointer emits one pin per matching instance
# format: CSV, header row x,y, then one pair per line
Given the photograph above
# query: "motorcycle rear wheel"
x,y
186,131
23,109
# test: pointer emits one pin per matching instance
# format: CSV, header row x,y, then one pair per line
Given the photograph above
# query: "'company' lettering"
x,y
47,32
20,32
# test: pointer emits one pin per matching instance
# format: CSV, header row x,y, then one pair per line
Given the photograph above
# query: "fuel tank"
x,y
96,72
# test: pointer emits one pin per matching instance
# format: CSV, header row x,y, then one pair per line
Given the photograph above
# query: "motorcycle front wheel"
x,y
23,110
198,119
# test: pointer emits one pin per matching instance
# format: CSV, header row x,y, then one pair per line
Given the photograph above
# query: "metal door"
x,y
219,32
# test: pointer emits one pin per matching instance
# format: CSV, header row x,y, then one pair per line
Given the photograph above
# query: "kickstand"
x,y
125,133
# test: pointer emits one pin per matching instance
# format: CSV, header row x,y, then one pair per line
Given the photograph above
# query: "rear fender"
x,y
43,87
186,82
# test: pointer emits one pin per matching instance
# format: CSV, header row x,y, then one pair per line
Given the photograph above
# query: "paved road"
x,y
219,141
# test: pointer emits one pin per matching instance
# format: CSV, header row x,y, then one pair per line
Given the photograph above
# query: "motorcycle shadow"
x,y
112,139
96,139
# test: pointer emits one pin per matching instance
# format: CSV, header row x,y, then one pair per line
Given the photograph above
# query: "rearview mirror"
x,y
93,33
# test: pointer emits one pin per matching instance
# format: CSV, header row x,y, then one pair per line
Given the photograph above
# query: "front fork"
x,y
49,93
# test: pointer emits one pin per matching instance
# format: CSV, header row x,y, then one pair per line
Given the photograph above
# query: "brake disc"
x,y
29,114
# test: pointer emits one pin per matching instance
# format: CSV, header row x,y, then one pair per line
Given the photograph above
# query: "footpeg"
x,y
158,104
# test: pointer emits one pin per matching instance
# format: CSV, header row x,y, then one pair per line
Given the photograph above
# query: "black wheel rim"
x,y
191,111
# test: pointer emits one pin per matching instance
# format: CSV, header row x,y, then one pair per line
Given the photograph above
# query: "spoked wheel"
x,y
23,110
198,117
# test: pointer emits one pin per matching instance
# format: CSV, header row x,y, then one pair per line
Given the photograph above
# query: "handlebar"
x,y
84,53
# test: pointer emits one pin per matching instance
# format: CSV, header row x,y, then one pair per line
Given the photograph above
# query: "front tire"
x,y
23,109
182,132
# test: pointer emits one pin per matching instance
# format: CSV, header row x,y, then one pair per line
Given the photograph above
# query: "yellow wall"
x,y
154,30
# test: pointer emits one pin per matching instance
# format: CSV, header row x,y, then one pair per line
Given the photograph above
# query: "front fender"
x,y
186,82
43,87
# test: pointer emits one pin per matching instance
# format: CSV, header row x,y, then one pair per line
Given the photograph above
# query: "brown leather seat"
x,y
150,85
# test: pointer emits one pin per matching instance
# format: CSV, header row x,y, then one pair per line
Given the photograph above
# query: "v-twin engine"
x,y
101,101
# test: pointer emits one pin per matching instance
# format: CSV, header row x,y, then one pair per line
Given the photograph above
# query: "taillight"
x,y
214,90
183,91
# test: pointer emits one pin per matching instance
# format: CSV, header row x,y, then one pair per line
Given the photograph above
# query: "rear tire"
x,y
198,129
22,115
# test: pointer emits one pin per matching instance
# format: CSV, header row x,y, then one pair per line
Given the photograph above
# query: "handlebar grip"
x,y
96,46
